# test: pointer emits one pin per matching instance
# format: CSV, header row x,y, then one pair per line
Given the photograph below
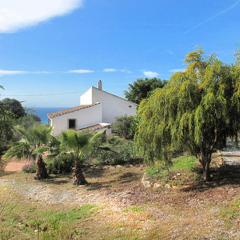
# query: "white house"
x,y
98,109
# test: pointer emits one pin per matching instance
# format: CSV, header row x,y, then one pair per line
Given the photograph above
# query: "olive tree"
x,y
142,88
195,111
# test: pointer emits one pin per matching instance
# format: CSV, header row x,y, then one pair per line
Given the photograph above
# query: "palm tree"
x,y
32,144
76,143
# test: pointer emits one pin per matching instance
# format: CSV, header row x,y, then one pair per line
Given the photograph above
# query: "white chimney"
x,y
100,85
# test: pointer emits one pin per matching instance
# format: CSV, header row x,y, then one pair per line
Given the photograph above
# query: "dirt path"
x,y
16,166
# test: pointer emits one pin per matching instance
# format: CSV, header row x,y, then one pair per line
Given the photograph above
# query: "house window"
x,y
72,123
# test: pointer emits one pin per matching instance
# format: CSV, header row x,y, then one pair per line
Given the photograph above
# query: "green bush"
x,y
125,127
116,151
182,164
61,164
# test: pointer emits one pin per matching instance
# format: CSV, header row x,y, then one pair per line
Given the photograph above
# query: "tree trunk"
x,y
205,161
78,176
236,140
206,171
41,169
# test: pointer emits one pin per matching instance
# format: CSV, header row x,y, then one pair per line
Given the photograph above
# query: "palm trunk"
x,y
78,176
41,169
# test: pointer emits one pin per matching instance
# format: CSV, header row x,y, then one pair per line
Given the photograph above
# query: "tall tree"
x,y
14,106
142,88
194,111
6,126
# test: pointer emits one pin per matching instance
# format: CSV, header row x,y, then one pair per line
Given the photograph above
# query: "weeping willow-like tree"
x,y
196,111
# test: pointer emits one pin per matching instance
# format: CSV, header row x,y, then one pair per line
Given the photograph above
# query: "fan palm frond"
x,y
18,150
74,141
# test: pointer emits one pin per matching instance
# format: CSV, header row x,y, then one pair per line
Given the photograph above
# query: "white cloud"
x,y
110,70
11,72
18,14
82,71
150,74
4,72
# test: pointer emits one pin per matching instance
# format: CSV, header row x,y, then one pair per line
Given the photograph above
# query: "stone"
x,y
156,186
146,181
167,186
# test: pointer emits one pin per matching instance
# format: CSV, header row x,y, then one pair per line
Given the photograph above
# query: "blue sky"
x,y
51,51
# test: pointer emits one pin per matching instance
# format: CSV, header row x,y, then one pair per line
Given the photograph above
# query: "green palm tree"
x,y
76,143
32,144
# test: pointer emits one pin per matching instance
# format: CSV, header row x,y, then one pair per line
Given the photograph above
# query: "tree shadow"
x,y
58,179
7,173
99,185
96,171
220,176
118,181
129,177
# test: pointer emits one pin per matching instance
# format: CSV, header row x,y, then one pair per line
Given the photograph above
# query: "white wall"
x,y
113,106
86,98
84,118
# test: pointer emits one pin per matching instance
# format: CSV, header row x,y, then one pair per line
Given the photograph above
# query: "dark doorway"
x,y
72,123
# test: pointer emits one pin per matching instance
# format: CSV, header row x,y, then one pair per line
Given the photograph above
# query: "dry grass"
x,y
114,206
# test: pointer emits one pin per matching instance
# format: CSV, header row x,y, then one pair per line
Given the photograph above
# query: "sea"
x,y
43,112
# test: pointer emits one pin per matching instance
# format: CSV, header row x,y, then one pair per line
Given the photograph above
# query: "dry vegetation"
x,y
115,206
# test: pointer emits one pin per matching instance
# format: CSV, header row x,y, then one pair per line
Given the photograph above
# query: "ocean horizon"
x,y
42,112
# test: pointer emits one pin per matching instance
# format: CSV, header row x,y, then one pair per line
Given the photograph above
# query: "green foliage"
x,y
195,111
184,163
60,164
32,141
76,143
6,128
14,107
142,88
29,221
231,212
114,150
125,127
181,171
158,170
28,121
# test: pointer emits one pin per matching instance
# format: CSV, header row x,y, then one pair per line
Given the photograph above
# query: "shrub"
x,y
29,168
61,164
116,151
179,172
125,127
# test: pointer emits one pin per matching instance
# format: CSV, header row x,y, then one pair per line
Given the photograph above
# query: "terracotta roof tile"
x,y
70,110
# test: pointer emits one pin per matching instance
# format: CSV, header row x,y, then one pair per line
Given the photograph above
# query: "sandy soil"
x,y
15,166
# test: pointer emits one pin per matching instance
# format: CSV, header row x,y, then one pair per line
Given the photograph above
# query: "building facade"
x,y
98,109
